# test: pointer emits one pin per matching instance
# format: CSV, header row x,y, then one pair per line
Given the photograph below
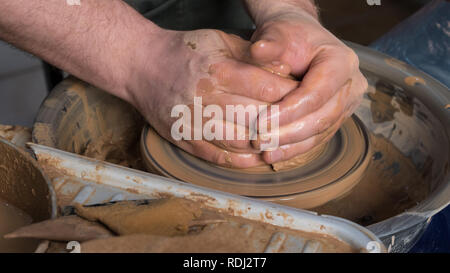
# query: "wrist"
x,y
148,44
146,63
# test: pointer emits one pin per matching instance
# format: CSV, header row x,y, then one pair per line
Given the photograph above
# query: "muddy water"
x,y
12,218
390,185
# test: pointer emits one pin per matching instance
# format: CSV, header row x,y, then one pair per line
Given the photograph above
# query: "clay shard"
x,y
66,228
165,217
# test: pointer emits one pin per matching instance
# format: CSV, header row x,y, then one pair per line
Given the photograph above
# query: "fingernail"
x,y
261,43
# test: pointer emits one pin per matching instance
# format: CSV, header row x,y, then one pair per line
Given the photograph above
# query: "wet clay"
x,y
17,135
12,218
91,123
299,160
210,231
383,107
391,185
307,181
168,225
166,217
107,145
223,238
412,81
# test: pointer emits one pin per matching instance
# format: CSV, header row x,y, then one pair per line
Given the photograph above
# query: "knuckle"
x,y
352,58
223,158
365,84
322,125
317,99
220,71
269,93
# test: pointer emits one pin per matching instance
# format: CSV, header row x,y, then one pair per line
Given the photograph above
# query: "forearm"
x,y
262,10
97,41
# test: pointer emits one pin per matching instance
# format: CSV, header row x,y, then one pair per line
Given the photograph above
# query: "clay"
x,y
225,238
166,217
106,149
66,228
12,218
91,123
381,106
218,233
412,81
395,63
295,186
17,135
299,160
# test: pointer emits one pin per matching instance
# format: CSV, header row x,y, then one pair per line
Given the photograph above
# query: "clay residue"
x,y
66,228
155,228
91,123
299,160
115,143
172,225
396,63
42,132
17,135
391,185
412,81
223,238
381,107
166,217
384,105
106,148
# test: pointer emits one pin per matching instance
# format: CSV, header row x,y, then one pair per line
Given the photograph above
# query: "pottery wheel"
x,y
332,173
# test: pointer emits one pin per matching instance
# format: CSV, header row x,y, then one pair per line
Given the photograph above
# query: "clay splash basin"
x,y
406,182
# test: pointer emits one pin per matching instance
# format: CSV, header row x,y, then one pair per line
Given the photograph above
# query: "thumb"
x,y
268,53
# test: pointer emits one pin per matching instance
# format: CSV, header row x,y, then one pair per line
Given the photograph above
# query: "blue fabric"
x,y
423,40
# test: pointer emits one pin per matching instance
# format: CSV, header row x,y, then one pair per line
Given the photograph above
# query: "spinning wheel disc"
x,y
332,173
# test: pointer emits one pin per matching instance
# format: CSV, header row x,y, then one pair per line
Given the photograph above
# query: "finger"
x,y
310,125
221,157
289,151
274,44
280,69
328,74
228,135
208,122
236,138
248,80
239,109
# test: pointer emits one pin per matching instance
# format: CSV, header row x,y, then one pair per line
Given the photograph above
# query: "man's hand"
x,y
290,40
